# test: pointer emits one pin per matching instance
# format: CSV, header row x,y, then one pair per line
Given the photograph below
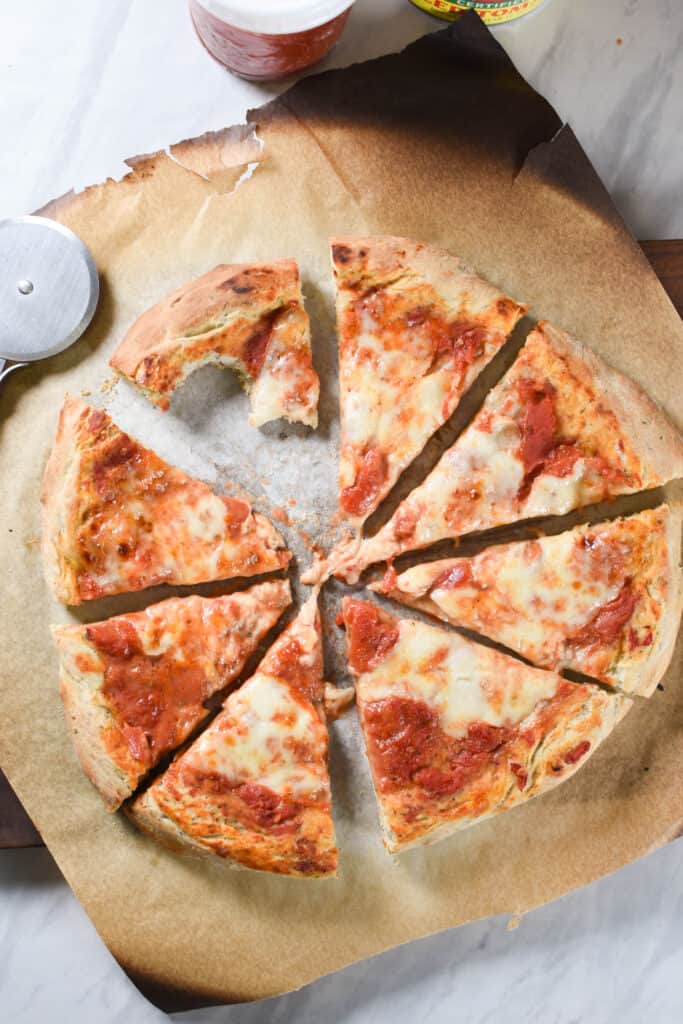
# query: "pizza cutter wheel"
x,y
48,290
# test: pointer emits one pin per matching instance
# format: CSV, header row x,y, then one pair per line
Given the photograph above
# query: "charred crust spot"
x,y
237,284
506,306
342,254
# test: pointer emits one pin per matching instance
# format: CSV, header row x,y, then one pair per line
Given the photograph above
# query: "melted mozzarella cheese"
x,y
462,681
555,495
255,739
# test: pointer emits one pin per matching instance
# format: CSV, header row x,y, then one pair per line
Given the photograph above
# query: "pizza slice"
x,y
254,787
456,732
117,518
248,316
415,327
559,431
134,686
603,600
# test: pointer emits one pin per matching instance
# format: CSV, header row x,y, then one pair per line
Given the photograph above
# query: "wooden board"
x,y
16,828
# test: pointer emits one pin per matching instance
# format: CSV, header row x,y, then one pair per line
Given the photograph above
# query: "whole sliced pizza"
x,y
455,730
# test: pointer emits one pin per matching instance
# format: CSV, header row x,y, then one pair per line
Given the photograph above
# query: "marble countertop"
x,y
82,86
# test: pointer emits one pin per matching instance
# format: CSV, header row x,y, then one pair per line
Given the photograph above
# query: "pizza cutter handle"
x,y
6,368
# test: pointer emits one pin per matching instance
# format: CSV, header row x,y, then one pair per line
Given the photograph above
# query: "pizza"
x,y
135,686
602,600
456,732
254,788
117,518
561,430
415,328
247,316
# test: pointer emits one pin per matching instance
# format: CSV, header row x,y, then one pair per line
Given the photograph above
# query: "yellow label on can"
x,y
493,12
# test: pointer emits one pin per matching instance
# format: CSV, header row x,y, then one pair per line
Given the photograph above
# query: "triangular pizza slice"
x,y
602,600
415,328
247,316
117,518
455,731
559,431
254,787
134,686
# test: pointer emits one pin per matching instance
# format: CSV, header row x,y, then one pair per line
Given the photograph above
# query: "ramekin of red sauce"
x,y
267,39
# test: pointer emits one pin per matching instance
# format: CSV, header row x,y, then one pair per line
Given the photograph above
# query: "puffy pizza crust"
x,y
231,627
254,787
185,553
214,319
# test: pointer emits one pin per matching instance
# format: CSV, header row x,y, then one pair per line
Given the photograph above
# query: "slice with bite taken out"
x,y
135,686
254,788
247,316
117,518
603,600
561,430
456,732
416,327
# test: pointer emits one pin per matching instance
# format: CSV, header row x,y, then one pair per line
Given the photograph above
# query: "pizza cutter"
x,y
48,290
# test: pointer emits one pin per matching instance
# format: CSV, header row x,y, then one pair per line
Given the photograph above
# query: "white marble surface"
x,y
82,86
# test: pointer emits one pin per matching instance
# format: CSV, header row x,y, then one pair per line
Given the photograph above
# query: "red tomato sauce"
x,y
286,662
262,56
155,697
372,471
408,747
455,576
607,622
255,806
371,634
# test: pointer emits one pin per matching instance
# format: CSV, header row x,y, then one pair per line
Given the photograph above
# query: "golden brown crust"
x,y
230,627
179,532
223,317
649,431
669,590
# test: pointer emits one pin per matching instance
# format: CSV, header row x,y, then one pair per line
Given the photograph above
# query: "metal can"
x,y
493,12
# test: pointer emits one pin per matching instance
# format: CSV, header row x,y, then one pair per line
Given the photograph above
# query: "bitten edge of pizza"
x,y
561,430
134,686
116,517
456,732
254,788
604,600
247,316
416,327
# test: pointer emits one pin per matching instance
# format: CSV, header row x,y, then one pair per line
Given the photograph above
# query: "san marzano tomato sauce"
x,y
264,55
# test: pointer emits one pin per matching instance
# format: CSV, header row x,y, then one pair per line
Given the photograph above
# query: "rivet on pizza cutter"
x,y
48,290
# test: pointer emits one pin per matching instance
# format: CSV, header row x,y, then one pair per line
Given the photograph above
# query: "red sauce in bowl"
x,y
261,56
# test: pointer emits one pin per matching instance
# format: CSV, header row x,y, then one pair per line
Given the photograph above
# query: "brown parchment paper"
x,y
444,142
